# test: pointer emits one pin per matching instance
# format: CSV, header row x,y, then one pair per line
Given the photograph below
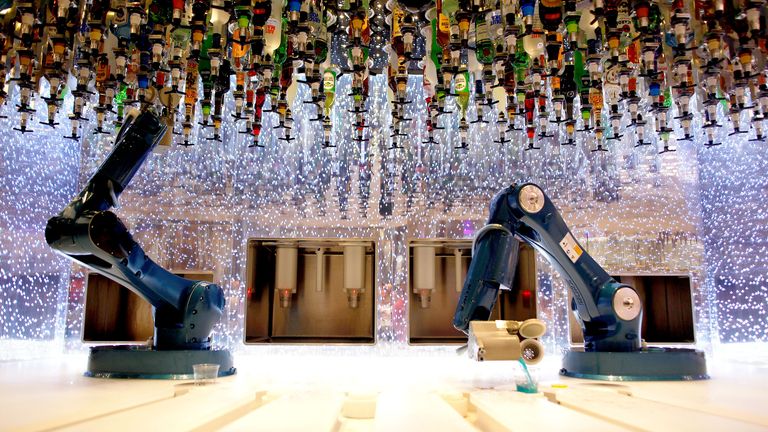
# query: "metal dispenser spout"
x,y
320,269
285,275
424,273
354,272
458,267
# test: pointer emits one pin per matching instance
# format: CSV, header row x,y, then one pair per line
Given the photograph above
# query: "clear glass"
x,y
205,373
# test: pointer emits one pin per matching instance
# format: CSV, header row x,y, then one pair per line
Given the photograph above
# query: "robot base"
x,y
650,364
138,361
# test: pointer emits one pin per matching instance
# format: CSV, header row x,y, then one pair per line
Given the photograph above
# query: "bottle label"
x,y
461,83
329,81
270,27
443,24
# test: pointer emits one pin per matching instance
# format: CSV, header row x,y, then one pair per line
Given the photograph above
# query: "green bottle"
x,y
281,53
329,89
160,12
321,40
667,98
483,46
450,7
436,51
461,86
521,61
578,68
654,18
120,97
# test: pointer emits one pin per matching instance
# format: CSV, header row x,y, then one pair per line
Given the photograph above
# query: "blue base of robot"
x,y
137,361
650,364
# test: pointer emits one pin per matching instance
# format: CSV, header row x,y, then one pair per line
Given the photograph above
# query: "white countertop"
x,y
357,394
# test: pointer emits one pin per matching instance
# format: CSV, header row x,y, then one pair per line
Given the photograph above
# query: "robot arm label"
x,y
571,247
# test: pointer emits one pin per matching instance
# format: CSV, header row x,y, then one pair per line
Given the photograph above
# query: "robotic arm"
x,y
609,312
185,311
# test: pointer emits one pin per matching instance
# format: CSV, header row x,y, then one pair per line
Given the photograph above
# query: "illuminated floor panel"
x,y
367,393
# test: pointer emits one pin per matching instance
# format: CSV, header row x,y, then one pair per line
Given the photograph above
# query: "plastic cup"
x,y
205,373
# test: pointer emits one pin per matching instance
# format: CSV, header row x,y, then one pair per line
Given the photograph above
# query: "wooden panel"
x,y
509,410
114,313
63,403
625,410
298,412
519,303
679,310
199,408
667,313
415,411
137,317
262,263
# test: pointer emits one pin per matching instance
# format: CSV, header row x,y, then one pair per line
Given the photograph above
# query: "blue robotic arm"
x,y
185,311
609,312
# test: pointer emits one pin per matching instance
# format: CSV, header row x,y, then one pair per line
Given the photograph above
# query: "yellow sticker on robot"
x,y
571,247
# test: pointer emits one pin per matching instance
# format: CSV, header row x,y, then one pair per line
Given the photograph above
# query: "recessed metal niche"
x,y
437,269
310,291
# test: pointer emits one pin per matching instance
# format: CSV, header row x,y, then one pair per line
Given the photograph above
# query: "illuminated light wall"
x,y
38,173
734,185
194,208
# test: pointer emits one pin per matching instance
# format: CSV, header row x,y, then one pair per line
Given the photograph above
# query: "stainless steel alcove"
x,y
310,291
437,268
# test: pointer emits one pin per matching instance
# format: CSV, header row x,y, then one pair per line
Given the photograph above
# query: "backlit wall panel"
x,y
194,208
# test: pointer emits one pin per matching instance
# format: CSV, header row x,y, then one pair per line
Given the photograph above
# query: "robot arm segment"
x,y
85,231
494,259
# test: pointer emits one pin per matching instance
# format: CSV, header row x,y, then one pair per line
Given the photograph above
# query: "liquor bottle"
x,y
443,26
408,29
551,14
484,50
178,11
241,28
461,87
281,52
463,20
293,10
496,22
571,20
321,40
554,50
527,7
329,89
219,17
97,16
273,28
120,99
198,24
